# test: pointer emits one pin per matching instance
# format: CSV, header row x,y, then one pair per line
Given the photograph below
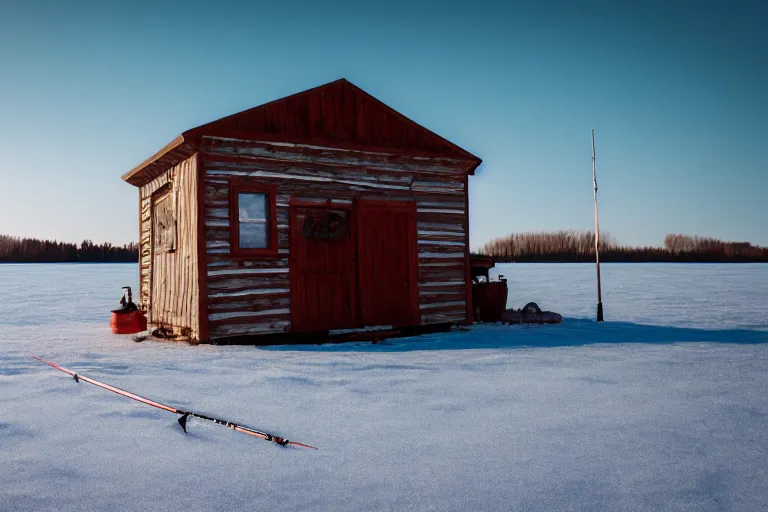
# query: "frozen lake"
x,y
711,296
662,407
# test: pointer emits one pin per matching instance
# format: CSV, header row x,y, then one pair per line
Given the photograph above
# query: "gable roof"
x,y
337,114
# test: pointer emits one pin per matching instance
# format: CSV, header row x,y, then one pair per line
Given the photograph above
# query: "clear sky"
x,y
677,93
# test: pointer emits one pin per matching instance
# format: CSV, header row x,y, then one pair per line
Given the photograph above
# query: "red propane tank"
x,y
129,322
128,319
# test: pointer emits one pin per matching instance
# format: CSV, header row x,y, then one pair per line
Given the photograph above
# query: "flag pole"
x,y
597,235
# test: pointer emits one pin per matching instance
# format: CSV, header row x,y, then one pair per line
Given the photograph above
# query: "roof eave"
x,y
474,167
131,176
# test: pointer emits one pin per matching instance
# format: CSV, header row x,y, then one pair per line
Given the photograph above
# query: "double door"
x,y
353,266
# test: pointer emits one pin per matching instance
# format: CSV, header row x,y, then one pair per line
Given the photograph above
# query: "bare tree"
x,y
580,246
30,250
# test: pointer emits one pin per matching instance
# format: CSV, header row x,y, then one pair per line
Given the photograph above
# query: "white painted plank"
x,y
455,234
242,293
440,204
247,314
243,271
435,305
441,255
439,210
440,226
315,179
440,242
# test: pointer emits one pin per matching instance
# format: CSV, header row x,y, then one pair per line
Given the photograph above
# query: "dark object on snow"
x,y
531,313
126,301
163,333
184,414
532,308
480,266
128,319
489,298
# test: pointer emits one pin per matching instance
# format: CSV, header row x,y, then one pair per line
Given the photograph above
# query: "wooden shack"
x,y
321,211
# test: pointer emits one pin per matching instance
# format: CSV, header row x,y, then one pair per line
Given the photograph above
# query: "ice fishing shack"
x,y
322,211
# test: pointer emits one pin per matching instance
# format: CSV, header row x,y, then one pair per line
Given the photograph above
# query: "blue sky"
x,y
676,92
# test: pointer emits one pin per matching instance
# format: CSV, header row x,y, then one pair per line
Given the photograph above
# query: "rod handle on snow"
x,y
184,414
278,440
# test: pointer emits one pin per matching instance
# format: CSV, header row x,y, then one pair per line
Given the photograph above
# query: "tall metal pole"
x,y
597,235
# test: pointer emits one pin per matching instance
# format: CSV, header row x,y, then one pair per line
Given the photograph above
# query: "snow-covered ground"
x,y
662,407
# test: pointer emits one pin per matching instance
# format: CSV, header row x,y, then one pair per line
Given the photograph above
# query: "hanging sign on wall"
x,y
325,224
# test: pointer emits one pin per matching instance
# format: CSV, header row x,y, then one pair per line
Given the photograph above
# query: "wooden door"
x,y
323,277
387,263
163,250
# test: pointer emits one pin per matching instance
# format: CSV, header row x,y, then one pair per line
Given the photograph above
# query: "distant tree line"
x,y
30,250
569,246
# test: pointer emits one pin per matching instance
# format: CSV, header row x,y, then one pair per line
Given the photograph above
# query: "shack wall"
x,y
169,279
246,295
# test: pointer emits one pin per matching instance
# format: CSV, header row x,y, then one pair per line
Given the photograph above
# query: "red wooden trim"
x,y
217,127
389,204
237,186
354,226
202,264
467,263
188,142
293,206
408,120
327,203
360,204
413,250
408,206
354,214
292,265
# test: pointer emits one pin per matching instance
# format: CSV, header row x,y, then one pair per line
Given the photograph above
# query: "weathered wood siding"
x,y
252,296
169,280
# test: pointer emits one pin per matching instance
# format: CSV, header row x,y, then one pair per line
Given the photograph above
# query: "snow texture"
x,y
662,407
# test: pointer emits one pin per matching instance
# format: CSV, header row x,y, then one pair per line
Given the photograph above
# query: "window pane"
x,y
252,217
253,235
252,206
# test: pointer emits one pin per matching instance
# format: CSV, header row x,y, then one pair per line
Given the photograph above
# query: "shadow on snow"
x,y
572,332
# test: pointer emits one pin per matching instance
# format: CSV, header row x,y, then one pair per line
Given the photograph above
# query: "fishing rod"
x,y
184,414
597,236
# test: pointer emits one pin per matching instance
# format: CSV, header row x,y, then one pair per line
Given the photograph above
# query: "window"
x,y
163,221
252,219
252,208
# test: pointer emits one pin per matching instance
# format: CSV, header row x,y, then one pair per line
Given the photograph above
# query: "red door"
x,y
387,264
323,278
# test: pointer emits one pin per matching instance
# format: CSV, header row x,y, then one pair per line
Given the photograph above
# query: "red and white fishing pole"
x,y
184,414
